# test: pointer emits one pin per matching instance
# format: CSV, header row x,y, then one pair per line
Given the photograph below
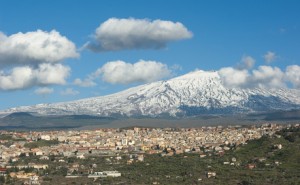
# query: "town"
x,y
28,157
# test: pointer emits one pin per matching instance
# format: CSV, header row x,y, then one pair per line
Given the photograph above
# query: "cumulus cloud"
x,y
124,34
88,82
243,76
52,74
43,91
270,57
120,72
247,62
35,47
268,77
262,77
31,59
293,75
27,76
232,77
69,91
18,78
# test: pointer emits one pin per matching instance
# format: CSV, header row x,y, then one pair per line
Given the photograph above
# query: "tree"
x,y
290,138
2,179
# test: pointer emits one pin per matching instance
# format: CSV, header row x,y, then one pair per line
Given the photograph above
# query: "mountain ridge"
x,y
198,92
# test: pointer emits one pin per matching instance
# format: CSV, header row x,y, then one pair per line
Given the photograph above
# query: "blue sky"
x,y
212,35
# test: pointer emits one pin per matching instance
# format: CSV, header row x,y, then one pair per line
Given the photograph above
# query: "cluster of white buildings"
x,y
105,174
134,142
148,140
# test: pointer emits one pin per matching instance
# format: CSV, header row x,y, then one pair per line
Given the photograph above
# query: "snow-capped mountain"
x,y
196,93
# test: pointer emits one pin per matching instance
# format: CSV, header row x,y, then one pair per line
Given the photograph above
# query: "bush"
x,y
47,179
2,179
291,138
41,143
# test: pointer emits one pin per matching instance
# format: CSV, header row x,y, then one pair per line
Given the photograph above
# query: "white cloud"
x,y
26,76
52,74
268,77
293,75
263,77
18,78
43,91
270,57
88,82
247,62
31,59
120,72
123,34
232,77
35,47
69,91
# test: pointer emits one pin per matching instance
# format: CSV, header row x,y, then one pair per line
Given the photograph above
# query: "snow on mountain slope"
x,y
198,92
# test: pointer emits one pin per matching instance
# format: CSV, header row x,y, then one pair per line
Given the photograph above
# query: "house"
x,y
75,165
15,159
68,153
170,154
118,157
187,150
105,174
221,152
152,151
141,157
38,166
21,175
130,161
226,148
251,166
44,157
45,137
262,159
112,173
179,151
202,155
80,156
84,150
145,148
34,179
218,148
2,171
210,174
97,175
278,146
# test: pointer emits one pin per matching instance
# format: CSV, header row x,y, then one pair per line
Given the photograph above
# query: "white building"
x,y
105,174
112,173
34,180
45,137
